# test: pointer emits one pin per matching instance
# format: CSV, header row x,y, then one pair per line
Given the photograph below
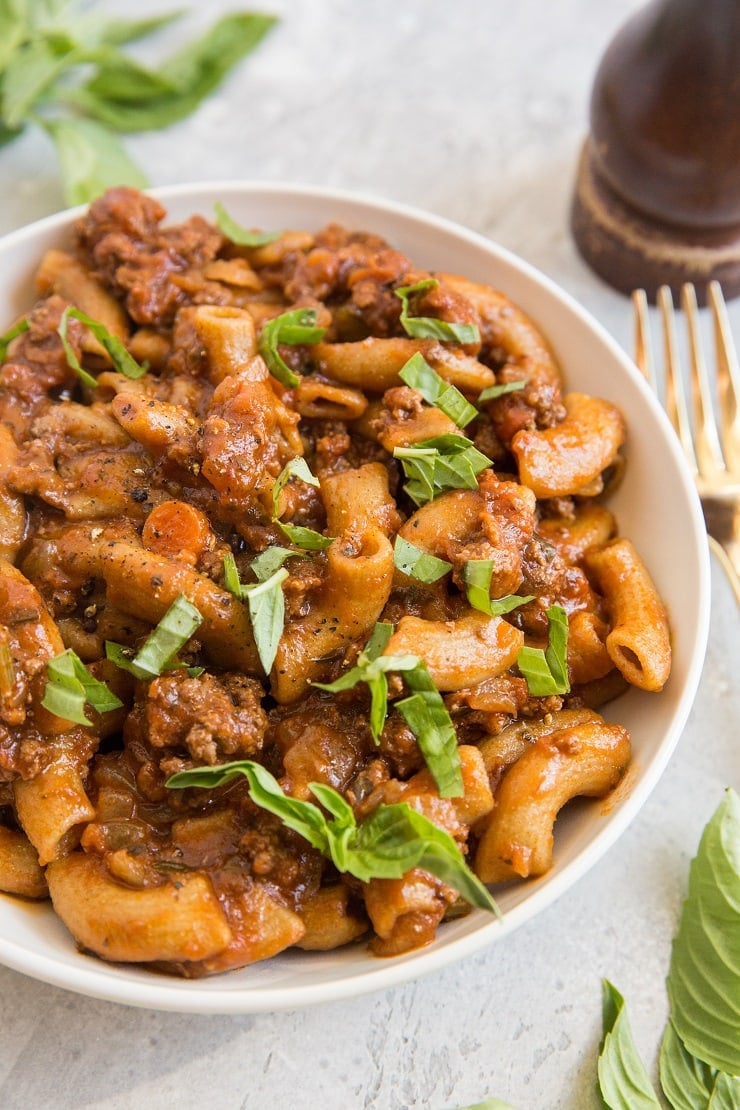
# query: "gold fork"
x,y
712,448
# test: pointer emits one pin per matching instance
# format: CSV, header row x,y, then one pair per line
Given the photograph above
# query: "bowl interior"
x,y
656,506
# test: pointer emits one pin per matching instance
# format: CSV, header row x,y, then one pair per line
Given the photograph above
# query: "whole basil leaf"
x,y
623,1080
190,76
91,159
687,1082
704,977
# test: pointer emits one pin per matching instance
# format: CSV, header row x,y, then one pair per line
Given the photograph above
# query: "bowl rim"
x,y
207,996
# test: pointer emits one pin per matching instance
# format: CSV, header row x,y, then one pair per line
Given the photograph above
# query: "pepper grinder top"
x,y
657,198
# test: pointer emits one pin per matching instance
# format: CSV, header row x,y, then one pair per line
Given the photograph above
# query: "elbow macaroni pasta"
x,y
121,495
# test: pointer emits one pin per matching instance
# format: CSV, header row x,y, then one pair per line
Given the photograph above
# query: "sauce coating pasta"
x,y
307,510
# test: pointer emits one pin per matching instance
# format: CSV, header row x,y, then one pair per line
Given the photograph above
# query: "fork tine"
x,y
643,344
675,398
706,440
728,379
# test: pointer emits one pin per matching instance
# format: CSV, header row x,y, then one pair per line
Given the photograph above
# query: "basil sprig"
x,y
427,327
419,375
414,562
546,671
305,538
700,1051
424,710
124,363
71,686
242,236
293,328
265,600
11,334
386,845
438,464
62,68
159,649
477,575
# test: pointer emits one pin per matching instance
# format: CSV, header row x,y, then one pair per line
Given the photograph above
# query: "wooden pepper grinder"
x,y
657,197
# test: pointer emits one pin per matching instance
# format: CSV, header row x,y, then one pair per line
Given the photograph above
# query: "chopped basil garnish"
x,y
426,715
495,391
159,649
10,335
424,711
386,845
546,671
242,236
293,329
124,363
477,574
371,668
419,375
71,687
418,564
427,327
438,464
305,538
265,564
266,604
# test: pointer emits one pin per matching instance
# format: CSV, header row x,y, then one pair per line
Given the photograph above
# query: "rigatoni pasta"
x,y
308,595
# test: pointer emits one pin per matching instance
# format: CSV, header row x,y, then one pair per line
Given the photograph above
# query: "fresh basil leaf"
x,y
91,159
266,604
158,650
8,134
414,562
378,641
265,601
390,842
123,362
477,575
69,353
118,32
419,375
398,837
426,715
11,334
704,977
427,327
372,671
623,1080
188,77
495,391
293,328
305,538
30,71
726,1092
121,79
71,686
546,671
296,467
268,561
440,463
242,236
687,1082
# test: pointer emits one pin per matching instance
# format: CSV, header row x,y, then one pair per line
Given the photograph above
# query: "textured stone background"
x,y
476,111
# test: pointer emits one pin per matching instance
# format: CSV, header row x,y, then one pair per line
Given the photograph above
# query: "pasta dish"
x,y
309,592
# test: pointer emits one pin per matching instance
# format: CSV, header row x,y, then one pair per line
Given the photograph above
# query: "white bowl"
x,y
656,506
